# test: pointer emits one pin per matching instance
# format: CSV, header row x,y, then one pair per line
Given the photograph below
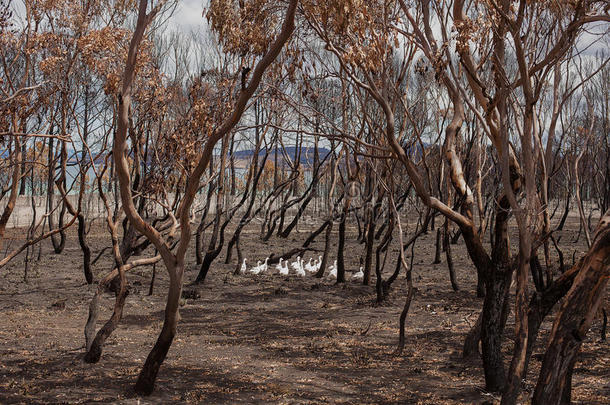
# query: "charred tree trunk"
x,y
23,176
10,205
447,247
341,247
383,287
516,371
61,244
85,248
315,233
232,165
324,264
148,375
82,226
51,187
202,226
370,240
405,312
492,330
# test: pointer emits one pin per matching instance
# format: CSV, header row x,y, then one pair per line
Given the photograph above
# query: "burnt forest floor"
x,y
261,339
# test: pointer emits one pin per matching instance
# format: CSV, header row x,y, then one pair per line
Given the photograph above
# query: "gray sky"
x,y
188,15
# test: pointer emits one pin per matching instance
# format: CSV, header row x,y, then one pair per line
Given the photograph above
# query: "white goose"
x,y
333,270
279,266
359,275
243,267
284,270
257,269
310,267
265,266
296,265
319,263
300,271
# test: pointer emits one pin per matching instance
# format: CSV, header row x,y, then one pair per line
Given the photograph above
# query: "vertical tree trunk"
x,y
492,330
85,248
31,228
404,313
146,380
201,227
518,363
51,187
10,205
276,178
153,278
58,246
581,210
341,247
232,165
370,239
450,266
82,231
24,178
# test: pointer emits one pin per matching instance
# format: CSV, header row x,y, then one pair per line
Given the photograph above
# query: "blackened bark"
x,y
85,248
315,233
450,266
404,313
322,269
59,247
341,248
492,330
370,239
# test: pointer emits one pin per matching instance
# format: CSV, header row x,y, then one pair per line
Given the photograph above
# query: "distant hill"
x,y
307,154
74,157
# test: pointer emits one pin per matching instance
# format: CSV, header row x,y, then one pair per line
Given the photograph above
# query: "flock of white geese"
x,y
299,268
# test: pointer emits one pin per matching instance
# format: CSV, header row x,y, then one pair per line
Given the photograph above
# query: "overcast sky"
x,y
188,14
